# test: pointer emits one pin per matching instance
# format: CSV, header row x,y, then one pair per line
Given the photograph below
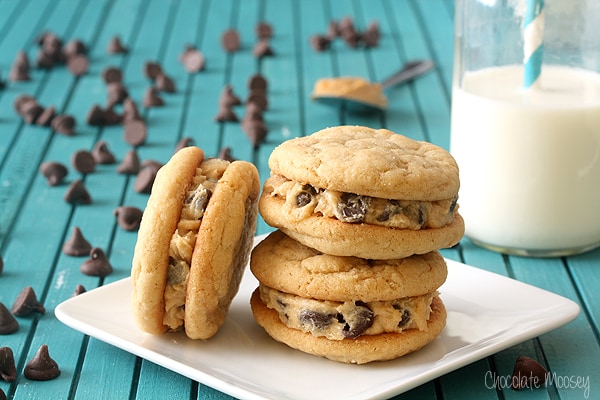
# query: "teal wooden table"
x,y
35,220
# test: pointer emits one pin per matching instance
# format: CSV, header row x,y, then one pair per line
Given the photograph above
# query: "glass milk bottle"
x,y
525,124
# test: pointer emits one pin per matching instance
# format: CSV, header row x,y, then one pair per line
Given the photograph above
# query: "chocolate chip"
x,y
404,319
8,370
64,124
79,289
77,245
20,100
391,208
253,112
41,367
259,98
264,30
352,207
359,321
102,154
315,320
46,117
130,163
226,114
130,110
117,93
77,193
165,84
230,40
255,130
262,49
152,98
305,197
182,143
225,154
83,161
128,217
257,82
95,116
74,47
320,42
145,179
528,373
78,64
97,264
30,111
228,98
152,69
112,74
27,303
192,59
115,46
8,323
54,172
20,68
135,132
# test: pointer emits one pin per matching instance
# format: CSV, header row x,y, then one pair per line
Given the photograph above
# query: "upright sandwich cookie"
x,y
345,308
357,191
193,243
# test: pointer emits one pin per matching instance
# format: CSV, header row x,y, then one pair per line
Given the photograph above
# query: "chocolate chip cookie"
x,y
357,191
193,243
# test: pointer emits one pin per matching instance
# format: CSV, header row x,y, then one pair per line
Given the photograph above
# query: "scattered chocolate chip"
x,y
262,48
78,64
320,42
128,217
528,373
130,110
46,117
152,69
97,264
130,163
371,35
102,154
165,84
30,111
74,47
79,289
333,30
117,93
264,30
192,59
27,303
255,130
115,46
64,124
112,74
95,116
77,245
54,172
225,154
183,142
83,161
77,193
152,98
257,82
230,40
226,114
228,98
20,68
253,112
135,132
259,98
145,179
20,100
8,323
41,367
8,370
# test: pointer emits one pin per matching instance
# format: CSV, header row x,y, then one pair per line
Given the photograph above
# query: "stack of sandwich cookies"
x,y
353,271
193,243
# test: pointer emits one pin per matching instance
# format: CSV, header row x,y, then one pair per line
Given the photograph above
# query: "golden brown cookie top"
x,y
288,266
370,162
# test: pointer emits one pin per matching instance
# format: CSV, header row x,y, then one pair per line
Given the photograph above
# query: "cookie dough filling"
x,y
304,200
184,238
349,319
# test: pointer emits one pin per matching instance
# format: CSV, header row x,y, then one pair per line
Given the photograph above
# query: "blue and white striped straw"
x,y
534,44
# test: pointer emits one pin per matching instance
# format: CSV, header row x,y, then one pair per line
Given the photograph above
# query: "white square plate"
x,y
486,313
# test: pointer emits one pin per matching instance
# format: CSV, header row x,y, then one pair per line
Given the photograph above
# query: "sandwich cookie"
x,y
346,309
357,191
193,243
